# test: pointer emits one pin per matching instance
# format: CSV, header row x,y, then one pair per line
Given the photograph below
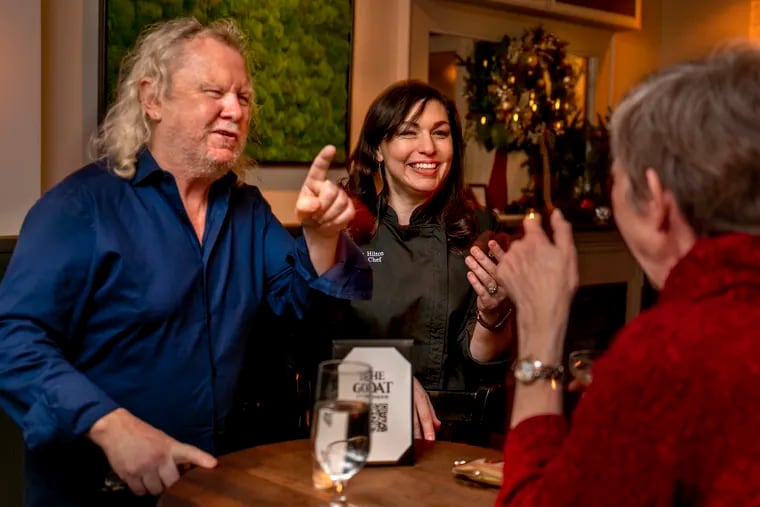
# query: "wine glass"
x,y
580,362
602,214
341,421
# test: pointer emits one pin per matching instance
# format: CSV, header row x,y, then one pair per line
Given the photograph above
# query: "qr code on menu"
x,y
378,419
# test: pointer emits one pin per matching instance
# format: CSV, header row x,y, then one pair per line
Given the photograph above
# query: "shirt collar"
x,y
422,214
147,168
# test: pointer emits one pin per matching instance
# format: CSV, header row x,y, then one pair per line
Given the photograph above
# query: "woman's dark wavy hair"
x,y
449,204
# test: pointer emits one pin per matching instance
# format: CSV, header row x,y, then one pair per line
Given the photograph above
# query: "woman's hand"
x,y
492,299
492,335
426,423
541,277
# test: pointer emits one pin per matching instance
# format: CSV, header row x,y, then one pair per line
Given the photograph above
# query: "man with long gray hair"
x,y
125,308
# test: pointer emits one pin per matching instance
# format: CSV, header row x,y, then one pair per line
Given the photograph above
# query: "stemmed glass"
x,y
341,421
580,362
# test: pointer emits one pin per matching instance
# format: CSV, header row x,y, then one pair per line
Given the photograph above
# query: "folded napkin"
x,y
484,471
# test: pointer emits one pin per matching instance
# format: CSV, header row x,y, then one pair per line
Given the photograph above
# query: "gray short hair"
x,y
126,129
697,124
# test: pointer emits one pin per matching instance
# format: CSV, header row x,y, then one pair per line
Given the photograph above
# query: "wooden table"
x,y
280,474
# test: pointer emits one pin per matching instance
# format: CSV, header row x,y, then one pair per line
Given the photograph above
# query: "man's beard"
x,y
217,169
214,169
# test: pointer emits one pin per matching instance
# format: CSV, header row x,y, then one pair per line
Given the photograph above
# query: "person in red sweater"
x,y
673,414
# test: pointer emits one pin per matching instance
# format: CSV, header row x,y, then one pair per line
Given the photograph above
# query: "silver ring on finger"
x,y
493,289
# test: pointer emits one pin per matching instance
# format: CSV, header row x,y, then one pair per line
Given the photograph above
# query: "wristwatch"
x,y
527,370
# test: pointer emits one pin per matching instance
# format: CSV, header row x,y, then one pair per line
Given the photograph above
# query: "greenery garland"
x,y
518,90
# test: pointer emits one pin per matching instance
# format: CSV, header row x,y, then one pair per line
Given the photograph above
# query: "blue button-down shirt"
x,y
111,301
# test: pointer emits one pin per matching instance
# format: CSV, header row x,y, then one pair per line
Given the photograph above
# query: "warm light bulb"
x,y
515,117
485,63
482,120
557,104
451,73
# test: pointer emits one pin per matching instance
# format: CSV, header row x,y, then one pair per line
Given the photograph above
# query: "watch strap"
x,y
531,369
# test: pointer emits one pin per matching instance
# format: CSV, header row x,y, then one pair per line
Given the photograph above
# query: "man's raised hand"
x,y
323,206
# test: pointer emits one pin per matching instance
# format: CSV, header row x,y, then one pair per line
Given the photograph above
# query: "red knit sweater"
x,y
673,414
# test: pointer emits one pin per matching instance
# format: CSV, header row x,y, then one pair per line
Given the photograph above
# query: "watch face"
x,y
525,370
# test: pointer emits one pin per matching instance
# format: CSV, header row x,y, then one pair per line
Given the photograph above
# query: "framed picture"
x,y
300,54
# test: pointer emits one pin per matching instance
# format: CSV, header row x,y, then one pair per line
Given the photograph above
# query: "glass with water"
x,y
580,362
340,431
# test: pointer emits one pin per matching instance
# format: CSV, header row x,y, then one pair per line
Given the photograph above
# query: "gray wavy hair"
x,y
126,128
697,124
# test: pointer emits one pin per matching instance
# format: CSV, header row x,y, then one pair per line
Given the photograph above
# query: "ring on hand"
x,y
492,289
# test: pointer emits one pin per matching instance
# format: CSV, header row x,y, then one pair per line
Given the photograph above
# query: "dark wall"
x,y
11,446
11,452
596,315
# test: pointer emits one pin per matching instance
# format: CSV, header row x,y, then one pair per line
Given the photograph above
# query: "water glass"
x,y
340,431
580,362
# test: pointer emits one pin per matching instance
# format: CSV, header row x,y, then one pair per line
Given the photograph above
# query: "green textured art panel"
x,y
300,51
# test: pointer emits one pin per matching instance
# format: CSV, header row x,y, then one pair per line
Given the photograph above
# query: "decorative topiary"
x,y
518,88
520,95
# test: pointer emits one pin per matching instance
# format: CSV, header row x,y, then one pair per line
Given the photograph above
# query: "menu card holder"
x,y
392,407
